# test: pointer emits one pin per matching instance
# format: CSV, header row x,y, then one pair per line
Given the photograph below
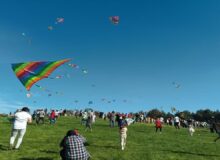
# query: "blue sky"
x,y
155,43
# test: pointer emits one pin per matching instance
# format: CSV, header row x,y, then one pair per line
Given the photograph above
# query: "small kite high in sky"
x,y
50,28
85,71
31,72
177,85
114,19
60,20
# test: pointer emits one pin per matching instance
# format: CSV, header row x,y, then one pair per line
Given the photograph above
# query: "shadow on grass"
x,y
107,147
197,154
40,158
49,151
141,131
3,148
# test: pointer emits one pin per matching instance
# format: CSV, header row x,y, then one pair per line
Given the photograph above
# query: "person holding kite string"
x,y
21,119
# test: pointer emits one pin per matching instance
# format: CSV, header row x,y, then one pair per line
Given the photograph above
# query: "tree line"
x,y
203,115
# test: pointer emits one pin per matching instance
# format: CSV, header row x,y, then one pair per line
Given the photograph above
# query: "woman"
x,y
73,146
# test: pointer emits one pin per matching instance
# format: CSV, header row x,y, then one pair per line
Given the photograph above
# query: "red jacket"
x,y
52,115
158,123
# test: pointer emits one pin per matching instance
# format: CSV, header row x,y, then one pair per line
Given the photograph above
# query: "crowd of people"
x,y
73,144
40,115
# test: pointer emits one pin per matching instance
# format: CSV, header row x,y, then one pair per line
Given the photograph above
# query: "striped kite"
x,y
31,72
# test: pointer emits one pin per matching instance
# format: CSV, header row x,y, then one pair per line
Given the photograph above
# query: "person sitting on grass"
x,y
21,118
158,125
74,147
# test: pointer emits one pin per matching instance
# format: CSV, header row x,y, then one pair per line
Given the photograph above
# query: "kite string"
x,y
47,90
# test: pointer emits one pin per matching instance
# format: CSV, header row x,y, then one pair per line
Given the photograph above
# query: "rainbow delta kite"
x,y
31,72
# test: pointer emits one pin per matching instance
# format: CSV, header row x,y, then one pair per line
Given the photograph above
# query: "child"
x,y
191,130
123,135
158,125
52,117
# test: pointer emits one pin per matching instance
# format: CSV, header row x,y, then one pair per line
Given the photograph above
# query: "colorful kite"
x,y
31,72
114,19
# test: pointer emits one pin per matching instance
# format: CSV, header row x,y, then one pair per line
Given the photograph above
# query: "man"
x,y
84,118
213,125
73,146
21,119
89,122
40,116
112,119
217,127
177,122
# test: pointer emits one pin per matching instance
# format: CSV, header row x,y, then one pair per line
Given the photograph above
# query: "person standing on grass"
x,y
40,117
177,122
73,147
123,135
84,118
112,119
217,125
52,117
89,122
119,119
19,126
158,125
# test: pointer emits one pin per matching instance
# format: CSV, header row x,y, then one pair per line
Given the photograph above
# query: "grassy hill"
x,y
42,142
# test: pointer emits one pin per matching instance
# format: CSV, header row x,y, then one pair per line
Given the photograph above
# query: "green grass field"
x,y
42,142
